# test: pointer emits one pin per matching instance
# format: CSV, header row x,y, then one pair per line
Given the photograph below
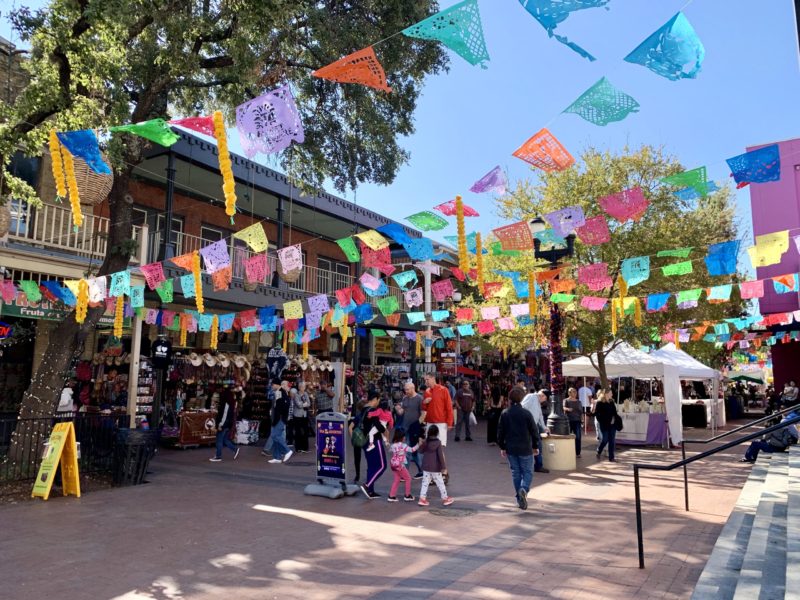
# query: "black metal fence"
x,y
94,432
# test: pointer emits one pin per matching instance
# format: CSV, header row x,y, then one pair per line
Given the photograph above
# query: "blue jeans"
x,y
224,440
576,428
756,446
412,439
279,447
609,437
538,461
521,471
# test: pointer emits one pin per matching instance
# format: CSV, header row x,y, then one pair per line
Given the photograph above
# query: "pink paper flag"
x,y
344,296
624,205
153,274
369,281
595,231
377,259
464,314
490,312
291,259
516,236
485,327
449,209
457,273
442,290
593,303
255,268
414,297
506,323
752,289
595,276
519,310
151,317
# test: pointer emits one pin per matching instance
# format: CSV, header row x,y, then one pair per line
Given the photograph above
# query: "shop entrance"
x,y
16,361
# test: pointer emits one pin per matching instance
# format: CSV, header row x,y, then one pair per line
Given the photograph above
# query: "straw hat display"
x,y
224,361
241,361
210,360
195,359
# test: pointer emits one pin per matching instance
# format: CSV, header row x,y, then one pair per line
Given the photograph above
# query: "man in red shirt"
x,y
438,406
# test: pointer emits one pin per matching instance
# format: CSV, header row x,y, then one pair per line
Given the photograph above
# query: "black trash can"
x,y
133,449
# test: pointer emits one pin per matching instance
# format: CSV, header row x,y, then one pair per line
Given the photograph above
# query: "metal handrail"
x,y
686,461
719,437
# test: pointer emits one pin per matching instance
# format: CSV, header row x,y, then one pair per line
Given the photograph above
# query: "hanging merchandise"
x,y
550,13
155,130
494,181
228,183
545,152
459,28
82,307
602,104
673,51
360,67
269,123
463,258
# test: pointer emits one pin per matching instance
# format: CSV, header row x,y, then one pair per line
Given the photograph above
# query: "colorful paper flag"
x,y
269,123
593,303
594,231
360,67
293,309
414,297
466,329
221,279
442,289
155,130
216,256
635,270
165,291
516,236
449,209
494,181
550,13
83,144
388,305
624,205
784,284
676,253
290,259
255,268
719,293
395,231
120,284
680,268
485,327
490,312
153,274
657,302
565,220
254,236
603,103
595,276
756,166
673,51
545,152
406,279
427,221
721,258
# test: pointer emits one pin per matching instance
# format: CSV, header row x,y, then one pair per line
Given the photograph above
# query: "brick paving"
x,y
244,529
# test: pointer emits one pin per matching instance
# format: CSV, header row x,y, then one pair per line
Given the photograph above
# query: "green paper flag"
x,y
165,290
378,333
696,179
388,305
427,221
603,103
690,295
676,253
561,297
31,289
155,130
681,268
497,250
348,246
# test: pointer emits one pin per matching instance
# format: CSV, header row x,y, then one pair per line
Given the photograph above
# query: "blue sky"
x,y
470,119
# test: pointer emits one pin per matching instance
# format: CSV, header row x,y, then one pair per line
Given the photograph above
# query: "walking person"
x,y
434,467
518,438
398,465
225,420
291,393
574,411
410,410
495,409
376,456
301,401
280,417
533,403
605,411
465,403
356,423
438,407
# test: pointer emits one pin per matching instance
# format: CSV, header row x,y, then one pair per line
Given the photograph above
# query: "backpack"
x,y
359,438
398,461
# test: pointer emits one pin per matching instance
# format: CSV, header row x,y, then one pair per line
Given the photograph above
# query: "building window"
x,y
210,235
331,275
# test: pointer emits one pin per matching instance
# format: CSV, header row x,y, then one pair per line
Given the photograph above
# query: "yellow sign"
x,y
61,448
384,345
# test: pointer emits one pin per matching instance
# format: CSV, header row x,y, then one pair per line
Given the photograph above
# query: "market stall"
x,y
653,421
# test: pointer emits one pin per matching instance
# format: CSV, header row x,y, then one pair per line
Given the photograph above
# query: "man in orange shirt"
x,y
438,406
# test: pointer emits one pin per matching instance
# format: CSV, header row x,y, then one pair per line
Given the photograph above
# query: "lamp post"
x,y
557,422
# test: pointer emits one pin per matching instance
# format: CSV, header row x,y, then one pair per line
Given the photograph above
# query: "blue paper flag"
x,y
447,332
363,313
689,193
187,285
226,321
524,320
415,317
466,329
635,270
381,290
83,144
421,249
721,258
520,283
673,51
440,315
396,232
720,292
757,166
204,321
472,242
550,13
781,287
406,280
709,337
657,302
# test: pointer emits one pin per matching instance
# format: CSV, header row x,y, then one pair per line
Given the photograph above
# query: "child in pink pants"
x,y
398,464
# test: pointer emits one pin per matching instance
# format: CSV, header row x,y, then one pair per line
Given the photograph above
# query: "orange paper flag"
x,y
359,67
544,151
184,261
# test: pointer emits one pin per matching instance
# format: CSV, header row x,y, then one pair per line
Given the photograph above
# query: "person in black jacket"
x,y
225,420
605,411
376,456
280,416
518,438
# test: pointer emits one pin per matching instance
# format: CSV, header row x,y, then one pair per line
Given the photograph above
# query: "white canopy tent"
x,y
691,368
626,361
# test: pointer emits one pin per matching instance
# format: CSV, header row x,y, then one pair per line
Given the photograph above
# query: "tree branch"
x,y
216,62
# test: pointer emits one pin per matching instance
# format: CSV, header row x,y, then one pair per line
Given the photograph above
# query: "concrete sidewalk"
x,y
244,529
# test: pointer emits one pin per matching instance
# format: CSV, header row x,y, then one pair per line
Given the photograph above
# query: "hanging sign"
x,y
62,450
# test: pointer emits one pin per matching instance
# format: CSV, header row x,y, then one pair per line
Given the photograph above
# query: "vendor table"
x,y
643,429
197,428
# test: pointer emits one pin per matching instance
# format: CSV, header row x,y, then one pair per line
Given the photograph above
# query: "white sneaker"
x,y
288,455
274,461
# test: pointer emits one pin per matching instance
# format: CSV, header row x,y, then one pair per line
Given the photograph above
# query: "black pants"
x,y
376,463
299,426
357,460
576,428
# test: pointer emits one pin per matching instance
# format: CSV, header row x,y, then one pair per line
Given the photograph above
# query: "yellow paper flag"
x,y
254,236
72,285
769,248
293,309
373,239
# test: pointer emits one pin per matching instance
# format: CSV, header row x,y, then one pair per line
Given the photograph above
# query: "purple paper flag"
x,y
565,221
216,256
269,122
494,181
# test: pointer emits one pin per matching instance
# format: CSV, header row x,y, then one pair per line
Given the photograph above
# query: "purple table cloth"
x,y
657,432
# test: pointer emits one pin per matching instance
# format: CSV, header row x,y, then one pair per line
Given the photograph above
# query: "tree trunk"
x,y
601,369
41,398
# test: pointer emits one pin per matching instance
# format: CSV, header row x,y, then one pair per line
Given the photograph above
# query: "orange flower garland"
x,y
72,185
198,282
246,337
214,332
58,164
305,350
418,349
82,306
531,294
228,183
463,258
285,341
183,334
119,315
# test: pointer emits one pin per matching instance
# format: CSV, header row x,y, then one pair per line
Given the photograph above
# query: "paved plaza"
x,y
244,530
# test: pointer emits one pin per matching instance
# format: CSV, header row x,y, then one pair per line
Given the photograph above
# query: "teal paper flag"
x,y
602,104
673,51
635,270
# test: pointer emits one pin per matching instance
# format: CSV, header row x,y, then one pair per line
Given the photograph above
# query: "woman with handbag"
x,y
358,438
605,411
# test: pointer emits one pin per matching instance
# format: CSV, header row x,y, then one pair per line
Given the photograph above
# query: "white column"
x,y
133,372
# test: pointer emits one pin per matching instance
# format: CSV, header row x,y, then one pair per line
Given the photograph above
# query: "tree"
x,y
96,63
669,222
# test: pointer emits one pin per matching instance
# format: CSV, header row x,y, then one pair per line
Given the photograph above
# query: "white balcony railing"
x,y
50,227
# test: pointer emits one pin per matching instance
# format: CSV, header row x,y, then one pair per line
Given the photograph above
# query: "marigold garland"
x,y
305,350
285,341
183,334
531,294
214,332
246,337
637,313
615,303
418,349
677,339
82,305
72,185
198,282
228,184
479,259
119,315
463,258
57,164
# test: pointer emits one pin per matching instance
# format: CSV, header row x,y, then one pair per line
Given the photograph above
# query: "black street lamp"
x,y
557,422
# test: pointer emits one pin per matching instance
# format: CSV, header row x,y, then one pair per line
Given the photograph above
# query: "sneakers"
x,y
408,498
469,439
418,475
265,453
458,439
522,499
541,470
747,460
391,499
236,454
215,459
448,501
275,461
371,495
288,455
423,501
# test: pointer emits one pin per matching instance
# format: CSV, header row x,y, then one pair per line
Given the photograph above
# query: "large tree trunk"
x,y
41,398
601,369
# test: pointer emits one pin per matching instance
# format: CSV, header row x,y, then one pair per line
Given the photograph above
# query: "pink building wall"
x,y
775,206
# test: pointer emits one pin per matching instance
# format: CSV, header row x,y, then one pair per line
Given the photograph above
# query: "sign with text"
x,y
61,450
331,443
48,311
